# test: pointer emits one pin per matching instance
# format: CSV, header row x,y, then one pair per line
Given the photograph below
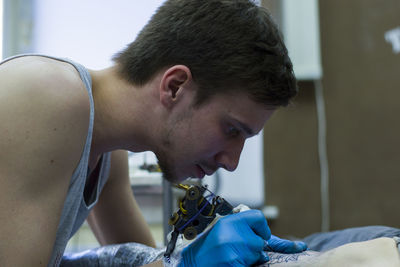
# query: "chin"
x,y
170,173
172,178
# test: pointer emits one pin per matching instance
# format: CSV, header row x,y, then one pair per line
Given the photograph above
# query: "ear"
x,y
174,84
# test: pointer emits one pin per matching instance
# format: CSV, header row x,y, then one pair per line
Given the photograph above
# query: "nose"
x,y
229,157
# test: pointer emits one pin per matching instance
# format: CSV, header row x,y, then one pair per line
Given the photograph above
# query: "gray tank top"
x,y
75,210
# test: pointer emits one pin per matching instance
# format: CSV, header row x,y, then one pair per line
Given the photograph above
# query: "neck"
x,y
119,114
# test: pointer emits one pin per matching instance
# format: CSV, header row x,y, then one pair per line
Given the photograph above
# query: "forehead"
x,y
241,109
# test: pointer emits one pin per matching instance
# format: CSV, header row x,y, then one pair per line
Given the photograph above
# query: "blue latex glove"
x,y
235,240
284,246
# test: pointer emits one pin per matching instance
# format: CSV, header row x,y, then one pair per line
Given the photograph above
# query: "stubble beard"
x,y
167,169
166,163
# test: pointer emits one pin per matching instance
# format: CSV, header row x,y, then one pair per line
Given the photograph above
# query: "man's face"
x,y
198,141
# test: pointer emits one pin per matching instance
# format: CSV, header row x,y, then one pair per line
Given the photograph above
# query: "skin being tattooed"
x,y
376,252
298,259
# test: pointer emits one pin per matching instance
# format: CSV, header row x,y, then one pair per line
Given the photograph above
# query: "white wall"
x,y
300,27
89,31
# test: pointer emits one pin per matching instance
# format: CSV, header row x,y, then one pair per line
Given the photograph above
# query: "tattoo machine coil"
x,y
196,211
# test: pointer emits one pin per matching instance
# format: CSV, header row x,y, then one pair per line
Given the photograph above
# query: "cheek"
x,y
204,136
208,143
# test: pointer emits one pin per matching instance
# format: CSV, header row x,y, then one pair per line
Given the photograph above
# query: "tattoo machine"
x,y
196,211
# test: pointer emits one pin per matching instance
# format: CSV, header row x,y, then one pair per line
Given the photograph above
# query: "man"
x,y
200,78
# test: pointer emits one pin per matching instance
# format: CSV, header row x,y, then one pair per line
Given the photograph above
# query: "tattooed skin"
x,y
279,258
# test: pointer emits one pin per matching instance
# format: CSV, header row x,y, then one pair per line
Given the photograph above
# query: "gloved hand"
x,y
235,240
285,246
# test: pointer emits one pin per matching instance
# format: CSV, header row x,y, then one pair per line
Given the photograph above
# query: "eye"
x,y
232,131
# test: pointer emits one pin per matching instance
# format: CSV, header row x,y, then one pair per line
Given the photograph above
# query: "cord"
x,y
197,214
323,156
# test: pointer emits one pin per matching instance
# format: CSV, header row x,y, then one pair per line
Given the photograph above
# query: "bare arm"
x,y
117,217
155,264
376,252
40,145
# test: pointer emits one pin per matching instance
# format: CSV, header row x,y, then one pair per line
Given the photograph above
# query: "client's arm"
x,y
377,252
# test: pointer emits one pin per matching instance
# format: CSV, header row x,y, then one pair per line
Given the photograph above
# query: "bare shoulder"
x,y
44,109
44,113
40,77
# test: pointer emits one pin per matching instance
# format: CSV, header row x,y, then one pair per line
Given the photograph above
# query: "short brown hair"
x,y
227,44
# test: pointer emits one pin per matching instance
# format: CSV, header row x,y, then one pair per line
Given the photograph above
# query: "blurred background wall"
x,y
360,55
